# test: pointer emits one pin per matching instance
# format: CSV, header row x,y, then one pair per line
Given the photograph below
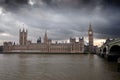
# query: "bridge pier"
x,y
112,57
118,67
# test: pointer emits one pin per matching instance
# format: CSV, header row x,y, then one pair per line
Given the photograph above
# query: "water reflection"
x,y
56,67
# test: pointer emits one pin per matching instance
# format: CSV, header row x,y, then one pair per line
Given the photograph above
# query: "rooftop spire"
x,y
90,27
45,33
45,37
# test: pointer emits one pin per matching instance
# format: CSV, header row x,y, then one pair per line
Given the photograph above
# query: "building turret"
x,y
23,37
72,40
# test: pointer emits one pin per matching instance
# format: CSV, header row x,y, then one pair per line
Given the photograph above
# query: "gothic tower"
x,y
22,37
45,38
90,36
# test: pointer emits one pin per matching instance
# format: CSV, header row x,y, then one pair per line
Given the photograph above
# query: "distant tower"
x,y
90,35
22,37
45,38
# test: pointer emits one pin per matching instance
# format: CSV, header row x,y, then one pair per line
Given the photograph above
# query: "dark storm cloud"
x,y
67,2
112,26
62,18
47,1
112,2
113,31
16,1
77,3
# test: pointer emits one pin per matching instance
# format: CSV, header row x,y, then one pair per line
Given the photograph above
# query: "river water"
x,y
56,67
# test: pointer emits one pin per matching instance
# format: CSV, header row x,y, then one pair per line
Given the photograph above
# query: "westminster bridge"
x,y
110,49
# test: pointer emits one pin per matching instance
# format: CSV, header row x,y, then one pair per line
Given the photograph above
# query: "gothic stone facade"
x,y
46,47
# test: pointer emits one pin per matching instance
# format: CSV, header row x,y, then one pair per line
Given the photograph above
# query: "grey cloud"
x,y
63,18
2,31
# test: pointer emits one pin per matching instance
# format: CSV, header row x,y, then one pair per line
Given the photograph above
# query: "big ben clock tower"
x,y
90,35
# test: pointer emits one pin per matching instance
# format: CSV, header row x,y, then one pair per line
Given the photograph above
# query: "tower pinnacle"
x,y
45,37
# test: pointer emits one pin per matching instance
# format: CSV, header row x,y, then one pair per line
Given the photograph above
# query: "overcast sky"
x,y
60,18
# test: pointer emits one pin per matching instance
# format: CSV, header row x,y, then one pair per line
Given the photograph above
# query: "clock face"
x,y
90,32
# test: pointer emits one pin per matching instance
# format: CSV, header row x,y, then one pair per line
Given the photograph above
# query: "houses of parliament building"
x,y
47,46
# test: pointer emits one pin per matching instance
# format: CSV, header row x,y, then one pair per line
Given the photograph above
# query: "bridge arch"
x,y
115,49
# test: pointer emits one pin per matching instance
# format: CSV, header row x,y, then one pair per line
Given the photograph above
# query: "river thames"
x,y
56,67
